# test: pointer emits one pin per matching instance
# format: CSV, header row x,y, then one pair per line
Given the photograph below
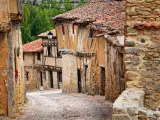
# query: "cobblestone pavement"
x,y
55,105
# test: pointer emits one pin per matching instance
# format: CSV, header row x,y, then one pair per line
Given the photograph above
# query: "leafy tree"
x,y
37,19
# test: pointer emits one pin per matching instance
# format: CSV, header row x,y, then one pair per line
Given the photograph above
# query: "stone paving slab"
x,y
55,105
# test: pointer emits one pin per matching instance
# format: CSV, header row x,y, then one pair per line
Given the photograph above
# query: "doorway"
x,y
59,75
79,80
41,78
102,81
85,77
51,79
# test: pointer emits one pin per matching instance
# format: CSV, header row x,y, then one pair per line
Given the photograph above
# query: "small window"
x,y
91,34
63,29
27,76
59,76
38,56
58,53
49,50
45,77
73,28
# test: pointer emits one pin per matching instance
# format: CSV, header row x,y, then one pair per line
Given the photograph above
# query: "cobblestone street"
x,y
55,105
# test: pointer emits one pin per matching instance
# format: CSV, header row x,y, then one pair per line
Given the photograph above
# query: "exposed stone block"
x,y
121,117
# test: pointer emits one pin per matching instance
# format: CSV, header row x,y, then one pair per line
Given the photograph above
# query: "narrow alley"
x,y
55,105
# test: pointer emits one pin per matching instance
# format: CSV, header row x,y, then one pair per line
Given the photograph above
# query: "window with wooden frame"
x,y
91,34
63,31
73,28
27,76
38,56
49,50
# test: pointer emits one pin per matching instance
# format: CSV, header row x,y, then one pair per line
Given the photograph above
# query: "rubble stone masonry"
x,y
142,51
3,74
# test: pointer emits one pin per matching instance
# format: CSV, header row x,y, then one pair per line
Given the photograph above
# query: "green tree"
x,y
37,19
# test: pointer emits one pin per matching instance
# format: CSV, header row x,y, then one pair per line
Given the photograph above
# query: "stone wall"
x,y
142,51
130,106
11,72
18,77
31,83
3,73
69,73
114,84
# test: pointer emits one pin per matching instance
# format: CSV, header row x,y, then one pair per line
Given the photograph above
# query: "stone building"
x,y
142,63
52,60
85,37
142,49
42,63
11,58
33,57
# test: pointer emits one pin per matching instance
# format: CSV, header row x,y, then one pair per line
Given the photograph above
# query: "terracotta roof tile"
x,y
107,12
46,33
34,46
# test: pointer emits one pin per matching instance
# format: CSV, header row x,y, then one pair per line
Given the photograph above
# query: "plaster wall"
x,y
3,73
38,62
11,62
28,59
76,38
69,73
4,15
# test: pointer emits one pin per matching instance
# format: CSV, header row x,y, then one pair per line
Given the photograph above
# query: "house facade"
x,y
52,60
82,43
11,58
33,58
42,63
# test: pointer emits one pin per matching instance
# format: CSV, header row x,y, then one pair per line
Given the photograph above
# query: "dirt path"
x,y
55,105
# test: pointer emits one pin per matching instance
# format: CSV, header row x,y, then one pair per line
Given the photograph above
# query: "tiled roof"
x,y
34,46
46,33
110,13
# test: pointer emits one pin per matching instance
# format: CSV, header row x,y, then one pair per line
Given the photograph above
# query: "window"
x,y
27,76
73,28
58,53
63,29
59,76
102,80
38,56
91,34
49,50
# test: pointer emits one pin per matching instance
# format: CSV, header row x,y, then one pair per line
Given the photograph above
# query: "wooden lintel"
x,y
15,17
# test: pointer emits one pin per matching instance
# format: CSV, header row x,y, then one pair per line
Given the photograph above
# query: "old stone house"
x,y
52,60
42,63
85,36
11,58
33,55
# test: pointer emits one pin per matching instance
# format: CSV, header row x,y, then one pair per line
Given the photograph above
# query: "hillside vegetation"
x,y
37,18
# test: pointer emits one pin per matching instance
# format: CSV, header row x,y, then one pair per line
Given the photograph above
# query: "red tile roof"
x,y
46,33
34,46
109,13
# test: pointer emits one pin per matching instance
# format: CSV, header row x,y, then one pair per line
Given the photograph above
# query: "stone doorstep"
x,y
121,117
